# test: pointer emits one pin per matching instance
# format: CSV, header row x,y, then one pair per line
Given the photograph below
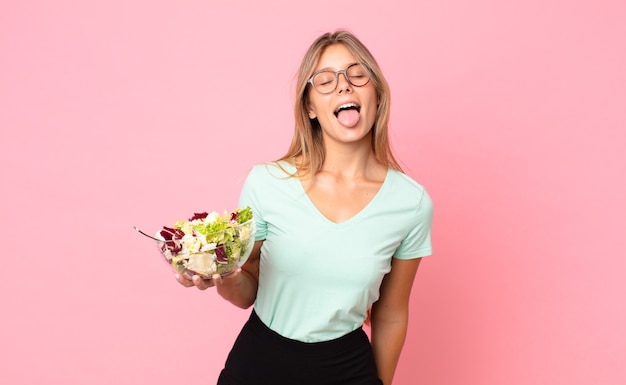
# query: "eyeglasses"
x,y
326,81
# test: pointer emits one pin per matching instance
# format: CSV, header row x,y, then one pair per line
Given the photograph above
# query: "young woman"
x,y
340,231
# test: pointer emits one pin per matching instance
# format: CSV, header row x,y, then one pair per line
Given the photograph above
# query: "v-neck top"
x,y
317,278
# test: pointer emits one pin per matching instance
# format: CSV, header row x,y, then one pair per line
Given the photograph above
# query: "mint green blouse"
x,y
317,277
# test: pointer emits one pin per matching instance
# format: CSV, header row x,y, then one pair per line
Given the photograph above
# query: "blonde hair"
x,y
307,144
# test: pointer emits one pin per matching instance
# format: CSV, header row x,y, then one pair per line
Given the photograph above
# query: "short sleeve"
x,y
249,197
417,242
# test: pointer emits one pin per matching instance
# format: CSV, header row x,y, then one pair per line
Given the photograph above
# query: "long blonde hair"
x,y
307,144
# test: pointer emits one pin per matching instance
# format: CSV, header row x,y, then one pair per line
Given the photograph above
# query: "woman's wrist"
x,y
238,288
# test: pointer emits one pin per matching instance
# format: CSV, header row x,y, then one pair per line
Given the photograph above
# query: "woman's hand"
x,y
238,287
204,283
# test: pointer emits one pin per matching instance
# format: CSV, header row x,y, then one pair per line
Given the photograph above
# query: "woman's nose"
x,y
342,83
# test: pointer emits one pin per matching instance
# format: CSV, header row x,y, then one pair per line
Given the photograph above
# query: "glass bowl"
x,y
206,255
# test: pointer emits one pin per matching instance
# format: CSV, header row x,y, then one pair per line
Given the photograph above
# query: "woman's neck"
x,y
351,161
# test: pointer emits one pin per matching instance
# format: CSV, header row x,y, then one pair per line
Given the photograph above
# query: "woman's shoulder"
x,y
405,195
405,181
406,191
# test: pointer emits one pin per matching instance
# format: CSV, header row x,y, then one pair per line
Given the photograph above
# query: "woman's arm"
x,y
240,287
390,316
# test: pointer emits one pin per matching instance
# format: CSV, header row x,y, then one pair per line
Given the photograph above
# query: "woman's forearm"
x,y
390,316
387,341
240,291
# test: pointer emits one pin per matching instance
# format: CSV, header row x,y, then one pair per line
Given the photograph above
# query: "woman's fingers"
x,y
203,284
183,281
196,281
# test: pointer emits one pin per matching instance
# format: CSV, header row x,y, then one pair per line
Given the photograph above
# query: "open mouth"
x,y
347,107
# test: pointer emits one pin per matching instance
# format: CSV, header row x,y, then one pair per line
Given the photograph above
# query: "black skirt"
x,y
260,356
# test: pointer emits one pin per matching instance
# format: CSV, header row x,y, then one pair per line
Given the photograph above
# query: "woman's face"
x,y
348,113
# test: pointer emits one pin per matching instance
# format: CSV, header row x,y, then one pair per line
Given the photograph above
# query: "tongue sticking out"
x,y
348,118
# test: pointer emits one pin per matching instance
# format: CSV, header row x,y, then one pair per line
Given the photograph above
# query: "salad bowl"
x,y
207,244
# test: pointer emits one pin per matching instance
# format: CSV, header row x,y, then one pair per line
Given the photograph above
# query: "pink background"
x,y
121,113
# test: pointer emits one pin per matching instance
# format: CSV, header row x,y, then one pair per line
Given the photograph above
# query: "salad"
x,y
208,243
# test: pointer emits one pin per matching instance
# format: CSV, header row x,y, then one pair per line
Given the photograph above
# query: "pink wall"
x,y
121,113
